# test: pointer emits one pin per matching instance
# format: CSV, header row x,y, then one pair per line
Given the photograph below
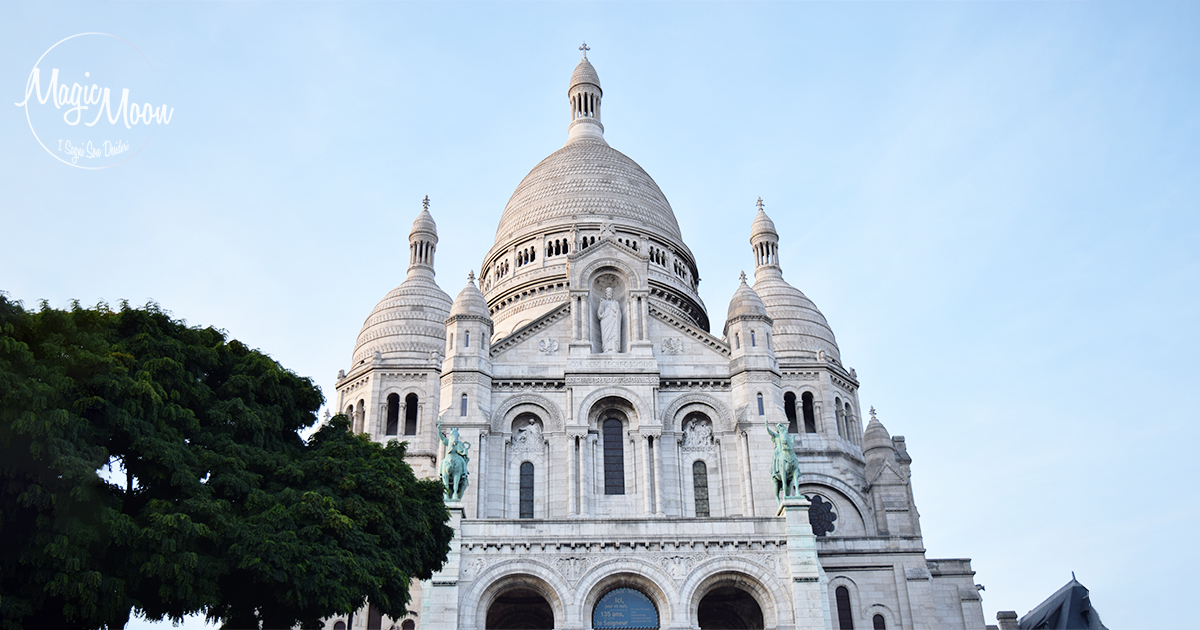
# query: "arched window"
x,y
360,417
839,416
451,341
393,414
878,622
806,406
753,340
851,429
614,458
467,339
737,341
789,408
339,625
700,487
463,409
410,414
408,624
526,504
761,410
845,620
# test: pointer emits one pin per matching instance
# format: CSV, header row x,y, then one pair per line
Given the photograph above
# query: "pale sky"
x,y
995,205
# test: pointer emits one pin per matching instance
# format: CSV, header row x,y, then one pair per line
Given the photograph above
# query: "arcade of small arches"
x,y
523,255
720,599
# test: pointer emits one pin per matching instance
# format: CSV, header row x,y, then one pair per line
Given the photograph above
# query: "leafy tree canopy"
x,y
224,510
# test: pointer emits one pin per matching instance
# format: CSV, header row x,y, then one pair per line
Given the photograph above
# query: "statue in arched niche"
x,y
609,312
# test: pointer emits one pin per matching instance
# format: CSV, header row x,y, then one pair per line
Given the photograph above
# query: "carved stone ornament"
x,y
527,436
572,568
609,314
678,567
548,346
672,345
697,435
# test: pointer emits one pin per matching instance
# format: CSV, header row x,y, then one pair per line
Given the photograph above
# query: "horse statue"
x,y
785,469
453,469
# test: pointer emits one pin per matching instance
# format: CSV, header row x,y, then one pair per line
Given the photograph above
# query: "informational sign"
x,y
624,608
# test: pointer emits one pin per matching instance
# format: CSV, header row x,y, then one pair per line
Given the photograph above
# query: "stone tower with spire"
x,y
624,454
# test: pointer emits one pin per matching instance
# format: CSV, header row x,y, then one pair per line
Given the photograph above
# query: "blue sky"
x,y
993,203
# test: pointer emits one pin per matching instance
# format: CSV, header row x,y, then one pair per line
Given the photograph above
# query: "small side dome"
x,y
470,301
407,324
746,302
876,436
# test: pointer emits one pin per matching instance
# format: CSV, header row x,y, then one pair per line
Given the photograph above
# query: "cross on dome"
x,y
425,203
759,203
471,276
584,48
743,277
873,414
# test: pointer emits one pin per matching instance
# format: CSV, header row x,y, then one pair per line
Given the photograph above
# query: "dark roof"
x,y
1069,608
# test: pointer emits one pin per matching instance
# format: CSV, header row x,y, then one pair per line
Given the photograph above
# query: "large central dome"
x,y
587,180
582,192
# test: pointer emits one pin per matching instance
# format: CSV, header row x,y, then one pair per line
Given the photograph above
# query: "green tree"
x,y
224,508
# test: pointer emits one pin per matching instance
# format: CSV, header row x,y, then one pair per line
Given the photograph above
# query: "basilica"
x,y
614,457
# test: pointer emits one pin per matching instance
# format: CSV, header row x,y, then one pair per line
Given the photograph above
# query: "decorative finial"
x,y
873,418
471,276
426,202
743,277
584,48
759,204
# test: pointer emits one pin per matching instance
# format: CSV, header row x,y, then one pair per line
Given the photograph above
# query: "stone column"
x,y
588,473
481,510
810,586
573,496
658,475
646,473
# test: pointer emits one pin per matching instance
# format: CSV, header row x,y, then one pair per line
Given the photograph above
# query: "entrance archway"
x,y
520,608
729,608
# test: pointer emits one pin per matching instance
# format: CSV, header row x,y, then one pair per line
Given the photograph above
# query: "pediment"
x,y
888,475
675,338
548,334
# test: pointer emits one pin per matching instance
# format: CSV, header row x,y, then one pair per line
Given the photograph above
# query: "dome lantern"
x,y
584,95
422,241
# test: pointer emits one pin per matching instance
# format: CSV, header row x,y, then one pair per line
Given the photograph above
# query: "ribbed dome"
x,y
424,222
800,330
470,301
876,436
587,180
407,323
762,224
745,302
585,73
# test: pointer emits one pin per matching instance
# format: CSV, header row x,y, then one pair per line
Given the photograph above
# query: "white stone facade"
x,y
648,467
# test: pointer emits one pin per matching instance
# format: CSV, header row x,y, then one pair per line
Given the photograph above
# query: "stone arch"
x,y
640,409
503,416
716,408
636,573
507,574
889,618
583,277
824,484
851,586
755,579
